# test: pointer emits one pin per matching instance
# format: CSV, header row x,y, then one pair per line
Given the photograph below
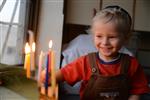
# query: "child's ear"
x,y
127,38
126,41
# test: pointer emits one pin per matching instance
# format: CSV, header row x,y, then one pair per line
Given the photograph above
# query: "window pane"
x,y
12,35
10,51
6,13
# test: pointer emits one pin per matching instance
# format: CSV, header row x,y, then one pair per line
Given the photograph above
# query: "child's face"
x,y
107,40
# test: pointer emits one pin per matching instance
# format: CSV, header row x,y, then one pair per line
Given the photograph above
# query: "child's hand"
x,y
43,77
59,77
134,97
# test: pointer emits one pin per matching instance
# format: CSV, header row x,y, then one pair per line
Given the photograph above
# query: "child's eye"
x,y
112,37
98,36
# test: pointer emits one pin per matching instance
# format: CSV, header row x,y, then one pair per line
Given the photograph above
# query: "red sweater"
x,y
80,70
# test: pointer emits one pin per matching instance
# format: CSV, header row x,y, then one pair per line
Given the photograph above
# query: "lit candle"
x,y
40,66
48,66
47,75
33,57
52,68
27,60
31,37
53,77
50,54
32,45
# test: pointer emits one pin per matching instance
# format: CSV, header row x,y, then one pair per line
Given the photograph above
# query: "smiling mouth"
x,y
106,50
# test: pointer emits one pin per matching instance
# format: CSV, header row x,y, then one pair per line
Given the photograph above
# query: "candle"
x,y
53,77
48,66
47,75
32,45
27,60
31,37
40,66
52,68
50,54
33,57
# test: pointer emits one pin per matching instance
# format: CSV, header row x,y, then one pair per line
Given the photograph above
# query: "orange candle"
x,y
53,76
27,60
52,67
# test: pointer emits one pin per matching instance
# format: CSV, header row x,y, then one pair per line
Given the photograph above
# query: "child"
x,y
107,74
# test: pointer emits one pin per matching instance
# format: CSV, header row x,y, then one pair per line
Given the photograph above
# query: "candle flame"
x,y
27,48
33,46
50,44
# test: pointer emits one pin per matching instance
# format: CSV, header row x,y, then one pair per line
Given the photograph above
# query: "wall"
x,y
126,4
50,27
142,21
144,49
81,11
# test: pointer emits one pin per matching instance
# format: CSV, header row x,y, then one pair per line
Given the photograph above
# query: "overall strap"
x,y
93,64
125,63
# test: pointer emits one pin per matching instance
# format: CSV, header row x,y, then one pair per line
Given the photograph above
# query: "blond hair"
x,y
118,16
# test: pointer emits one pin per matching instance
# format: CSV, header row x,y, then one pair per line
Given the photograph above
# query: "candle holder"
x,y
49,94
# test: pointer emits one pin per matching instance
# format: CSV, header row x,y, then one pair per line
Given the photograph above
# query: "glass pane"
x,y
13,52
10,51
1,2
13,34
6,13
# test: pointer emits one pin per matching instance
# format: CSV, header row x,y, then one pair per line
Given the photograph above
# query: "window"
x,y
12,28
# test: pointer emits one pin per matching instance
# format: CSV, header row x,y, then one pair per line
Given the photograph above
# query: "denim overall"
x,y
101,87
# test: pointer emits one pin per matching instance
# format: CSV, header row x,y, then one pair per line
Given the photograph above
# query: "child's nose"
x,y
105,41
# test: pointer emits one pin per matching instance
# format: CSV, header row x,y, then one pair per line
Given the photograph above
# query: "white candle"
x,y
33,57
40,66
31,37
